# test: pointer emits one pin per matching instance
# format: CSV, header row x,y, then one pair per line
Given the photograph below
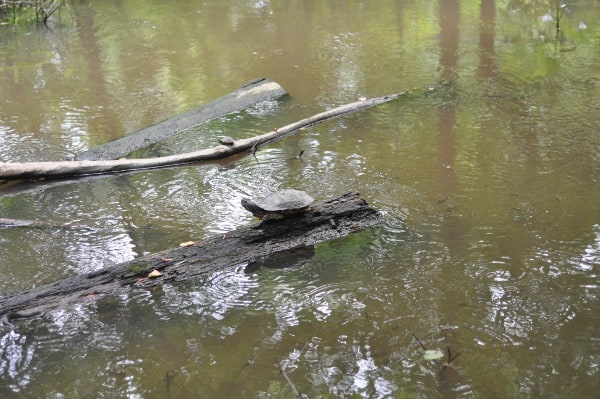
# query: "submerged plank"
x,y
249,94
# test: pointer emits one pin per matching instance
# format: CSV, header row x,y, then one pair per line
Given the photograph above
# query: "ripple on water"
x,y
344,368
16,354
591,254
219,293
347,299
74,330
282,297
77,323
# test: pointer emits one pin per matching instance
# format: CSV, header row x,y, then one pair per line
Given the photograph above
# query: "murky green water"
x,y
490,190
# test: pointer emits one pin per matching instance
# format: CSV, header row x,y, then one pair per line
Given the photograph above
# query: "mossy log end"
x,y
245,247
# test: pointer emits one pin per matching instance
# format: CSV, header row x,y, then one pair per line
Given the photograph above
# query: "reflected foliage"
x,y
19,11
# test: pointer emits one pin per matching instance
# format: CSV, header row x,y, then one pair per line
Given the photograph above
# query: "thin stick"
x,y
419,341
284,374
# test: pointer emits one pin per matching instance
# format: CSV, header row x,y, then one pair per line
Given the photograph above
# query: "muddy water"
x,y
490,189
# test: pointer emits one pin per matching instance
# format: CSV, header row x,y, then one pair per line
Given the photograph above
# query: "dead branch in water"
x,y
42,170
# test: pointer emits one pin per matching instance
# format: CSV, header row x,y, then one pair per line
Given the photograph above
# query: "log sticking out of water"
x,y
6,223
249,94
15,171
244,247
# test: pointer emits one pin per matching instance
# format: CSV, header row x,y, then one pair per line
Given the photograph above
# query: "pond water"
x,y
490,190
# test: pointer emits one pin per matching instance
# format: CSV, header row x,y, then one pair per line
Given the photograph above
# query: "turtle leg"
x,y
267,217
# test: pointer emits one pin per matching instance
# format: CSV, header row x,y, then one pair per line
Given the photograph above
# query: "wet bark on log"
x,y
245,247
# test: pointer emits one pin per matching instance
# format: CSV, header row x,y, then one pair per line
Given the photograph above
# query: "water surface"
x,y
489,187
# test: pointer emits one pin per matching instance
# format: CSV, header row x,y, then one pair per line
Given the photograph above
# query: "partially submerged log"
x,y
15,171
249,94
245,247
6,223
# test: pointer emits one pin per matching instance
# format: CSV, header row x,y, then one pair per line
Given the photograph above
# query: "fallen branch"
x,y
247,247
15,171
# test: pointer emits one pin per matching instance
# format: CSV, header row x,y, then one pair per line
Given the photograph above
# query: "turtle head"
x,y
253,208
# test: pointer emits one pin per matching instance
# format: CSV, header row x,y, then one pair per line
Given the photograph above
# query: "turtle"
x,y
226,140
279,204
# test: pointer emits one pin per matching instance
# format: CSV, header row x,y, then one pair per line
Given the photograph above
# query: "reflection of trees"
x,y
42,10
446,154
95,74
487,36
545,19
446,179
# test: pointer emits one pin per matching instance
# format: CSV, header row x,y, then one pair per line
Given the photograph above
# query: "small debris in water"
x,y
154,273
433,354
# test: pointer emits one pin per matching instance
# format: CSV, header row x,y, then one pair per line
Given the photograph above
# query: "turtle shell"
x,y
226,140
285,201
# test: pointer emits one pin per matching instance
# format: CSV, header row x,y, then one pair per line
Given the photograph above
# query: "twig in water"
x,y
419,341
450,357
168,378
253,152
560,9
284,374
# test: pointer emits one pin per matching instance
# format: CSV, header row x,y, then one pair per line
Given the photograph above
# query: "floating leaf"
x,y
433,354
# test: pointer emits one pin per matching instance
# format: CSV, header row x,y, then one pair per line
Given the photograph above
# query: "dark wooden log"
x,y
249,94
246,247
15,171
